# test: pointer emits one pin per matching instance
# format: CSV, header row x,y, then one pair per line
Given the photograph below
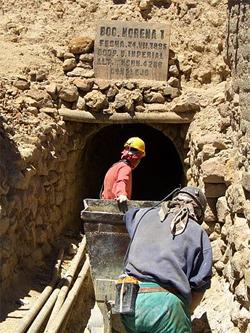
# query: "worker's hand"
x,y
122,198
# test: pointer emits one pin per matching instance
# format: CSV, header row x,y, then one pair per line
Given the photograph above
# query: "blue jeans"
x,y
158,312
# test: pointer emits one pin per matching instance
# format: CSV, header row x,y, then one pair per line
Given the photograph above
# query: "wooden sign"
x,y
131,50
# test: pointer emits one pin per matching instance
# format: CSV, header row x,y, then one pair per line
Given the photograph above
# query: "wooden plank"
x,y
131,50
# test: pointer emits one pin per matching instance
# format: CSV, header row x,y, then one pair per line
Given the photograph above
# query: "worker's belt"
x,y
156,289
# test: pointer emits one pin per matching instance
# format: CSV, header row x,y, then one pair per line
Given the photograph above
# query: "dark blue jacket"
x,y
183,262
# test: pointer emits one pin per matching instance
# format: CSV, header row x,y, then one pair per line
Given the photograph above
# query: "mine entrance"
x,y
158,173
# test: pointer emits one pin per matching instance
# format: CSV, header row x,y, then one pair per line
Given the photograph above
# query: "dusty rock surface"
x,y
46,63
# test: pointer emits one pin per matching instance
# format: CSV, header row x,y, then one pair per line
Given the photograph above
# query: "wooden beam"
x,y
141,117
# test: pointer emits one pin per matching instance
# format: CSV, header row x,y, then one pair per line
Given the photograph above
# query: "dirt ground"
x,y
30,286
32,281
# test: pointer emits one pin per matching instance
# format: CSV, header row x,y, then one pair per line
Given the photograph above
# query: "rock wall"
x,y
42,171
40,187
219,161
237,269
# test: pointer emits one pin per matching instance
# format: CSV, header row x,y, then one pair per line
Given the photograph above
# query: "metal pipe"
x,y
67,280
62,314
43,314
141,117
63,327
26,321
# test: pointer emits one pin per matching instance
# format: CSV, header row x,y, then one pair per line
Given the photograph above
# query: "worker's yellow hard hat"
x,y
136,143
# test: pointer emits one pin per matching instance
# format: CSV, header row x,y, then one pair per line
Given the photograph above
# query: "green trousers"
x,y
158,312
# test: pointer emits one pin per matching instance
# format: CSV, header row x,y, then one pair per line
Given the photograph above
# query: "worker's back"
x,y
155,255
118,180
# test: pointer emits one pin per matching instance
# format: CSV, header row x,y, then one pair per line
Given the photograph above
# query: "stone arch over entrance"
x,y
159,172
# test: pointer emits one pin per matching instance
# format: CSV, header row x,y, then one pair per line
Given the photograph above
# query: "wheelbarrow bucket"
x,y
107,242
107,239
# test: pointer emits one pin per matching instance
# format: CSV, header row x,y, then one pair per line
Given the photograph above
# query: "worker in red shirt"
x,y
118,179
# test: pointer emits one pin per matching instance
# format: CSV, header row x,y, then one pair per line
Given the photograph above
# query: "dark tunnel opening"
x,y
159,172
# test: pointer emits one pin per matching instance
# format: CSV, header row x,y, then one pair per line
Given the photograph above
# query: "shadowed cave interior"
x,y
159,172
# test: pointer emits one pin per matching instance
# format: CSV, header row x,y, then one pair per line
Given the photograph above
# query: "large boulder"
x,y
81,44
125,100
95,100
21,83
236,198
83,84
222,209
41,97
213,170
246,181
186,103
69,64
69,93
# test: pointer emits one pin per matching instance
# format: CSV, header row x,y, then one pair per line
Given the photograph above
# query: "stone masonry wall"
x,y
79,90
42,179
237,270
40,188
219,160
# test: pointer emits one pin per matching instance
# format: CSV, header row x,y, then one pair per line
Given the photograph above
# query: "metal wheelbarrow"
x,y
107,242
